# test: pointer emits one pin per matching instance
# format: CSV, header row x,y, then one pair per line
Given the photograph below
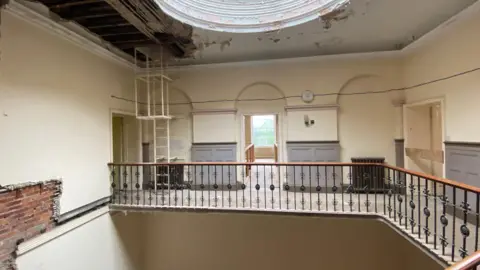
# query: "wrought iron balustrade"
x,y
439,213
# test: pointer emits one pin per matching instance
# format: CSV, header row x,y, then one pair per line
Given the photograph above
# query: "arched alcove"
x,y
366,120
260,98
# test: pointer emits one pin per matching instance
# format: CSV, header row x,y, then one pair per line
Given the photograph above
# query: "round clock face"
x,y
307,96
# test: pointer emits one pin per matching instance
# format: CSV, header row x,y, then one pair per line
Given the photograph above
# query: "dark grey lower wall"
x,y
211,176
314,151
400,153
462,164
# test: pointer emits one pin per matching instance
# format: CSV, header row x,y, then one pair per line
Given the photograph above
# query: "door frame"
x,y
278,136
441,101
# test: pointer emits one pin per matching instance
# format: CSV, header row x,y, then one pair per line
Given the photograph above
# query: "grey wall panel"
x,y
400,153
211,175
462,164
313,176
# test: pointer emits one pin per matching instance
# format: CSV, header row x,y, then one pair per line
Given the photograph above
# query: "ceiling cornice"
x,y
65,32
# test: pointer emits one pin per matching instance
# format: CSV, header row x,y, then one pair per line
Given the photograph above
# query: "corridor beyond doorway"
x,y
261,133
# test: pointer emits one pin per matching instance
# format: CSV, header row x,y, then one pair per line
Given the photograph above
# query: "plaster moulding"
x,y
312,107
251,16
70,33
215,111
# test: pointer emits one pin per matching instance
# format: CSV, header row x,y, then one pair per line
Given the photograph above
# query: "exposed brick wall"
x,y
26,210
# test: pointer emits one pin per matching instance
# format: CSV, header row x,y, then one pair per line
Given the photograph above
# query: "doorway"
x,y
261,137
424,138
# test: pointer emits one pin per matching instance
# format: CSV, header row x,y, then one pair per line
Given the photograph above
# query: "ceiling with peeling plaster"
x,y
248,16
365,26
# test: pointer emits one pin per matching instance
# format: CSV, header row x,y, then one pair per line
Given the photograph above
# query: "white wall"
x,y
55,110
105,243
455,51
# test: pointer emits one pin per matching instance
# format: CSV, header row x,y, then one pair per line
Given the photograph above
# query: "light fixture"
x,y
248,16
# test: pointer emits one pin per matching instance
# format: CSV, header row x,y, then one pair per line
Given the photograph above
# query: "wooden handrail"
x,y
414,173
435,178
469,263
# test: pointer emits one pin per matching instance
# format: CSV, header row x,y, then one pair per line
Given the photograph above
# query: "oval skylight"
x,y
247,16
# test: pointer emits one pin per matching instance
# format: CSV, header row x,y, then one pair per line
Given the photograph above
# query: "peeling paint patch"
x,y
340,14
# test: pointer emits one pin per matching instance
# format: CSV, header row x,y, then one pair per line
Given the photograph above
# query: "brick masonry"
x,y
26,210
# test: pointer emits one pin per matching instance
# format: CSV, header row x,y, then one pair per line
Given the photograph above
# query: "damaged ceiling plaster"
x,y
248,16
355,26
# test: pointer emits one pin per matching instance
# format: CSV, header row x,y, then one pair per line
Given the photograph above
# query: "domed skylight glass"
x,y
247,16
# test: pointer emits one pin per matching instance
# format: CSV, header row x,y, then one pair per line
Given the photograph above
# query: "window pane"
x,y
263,130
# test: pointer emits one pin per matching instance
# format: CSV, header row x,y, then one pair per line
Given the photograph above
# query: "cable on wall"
x,y
317,95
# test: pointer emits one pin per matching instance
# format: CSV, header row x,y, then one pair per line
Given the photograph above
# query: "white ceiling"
x,y
369,26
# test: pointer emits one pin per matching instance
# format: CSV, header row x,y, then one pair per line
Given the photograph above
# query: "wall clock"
x,y
307,96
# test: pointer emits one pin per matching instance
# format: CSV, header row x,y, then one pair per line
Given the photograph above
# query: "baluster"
x,y
310,185
195,184
189,185
390,193
326,189
215,186
318,188
137,185
426,211
334,189
243,186
444,219
395,193
257,186
419,209
435,215
278,169
113,185
367,190
463,228
453,222
150,183
400,198
265,186
375,179
287,187
477,216
341,185
125,184
229,186
412,204
272,186
350,188
294,189
202,185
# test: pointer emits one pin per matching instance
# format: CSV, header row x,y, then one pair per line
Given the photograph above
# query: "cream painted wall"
x,y
324,128
366,122
328,77
455,51
242,241
105,243
55,112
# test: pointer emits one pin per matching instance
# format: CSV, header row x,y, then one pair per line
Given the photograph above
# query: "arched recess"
x,y
256,99
366,120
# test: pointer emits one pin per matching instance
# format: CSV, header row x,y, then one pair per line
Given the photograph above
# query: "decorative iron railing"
x,y
439,213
